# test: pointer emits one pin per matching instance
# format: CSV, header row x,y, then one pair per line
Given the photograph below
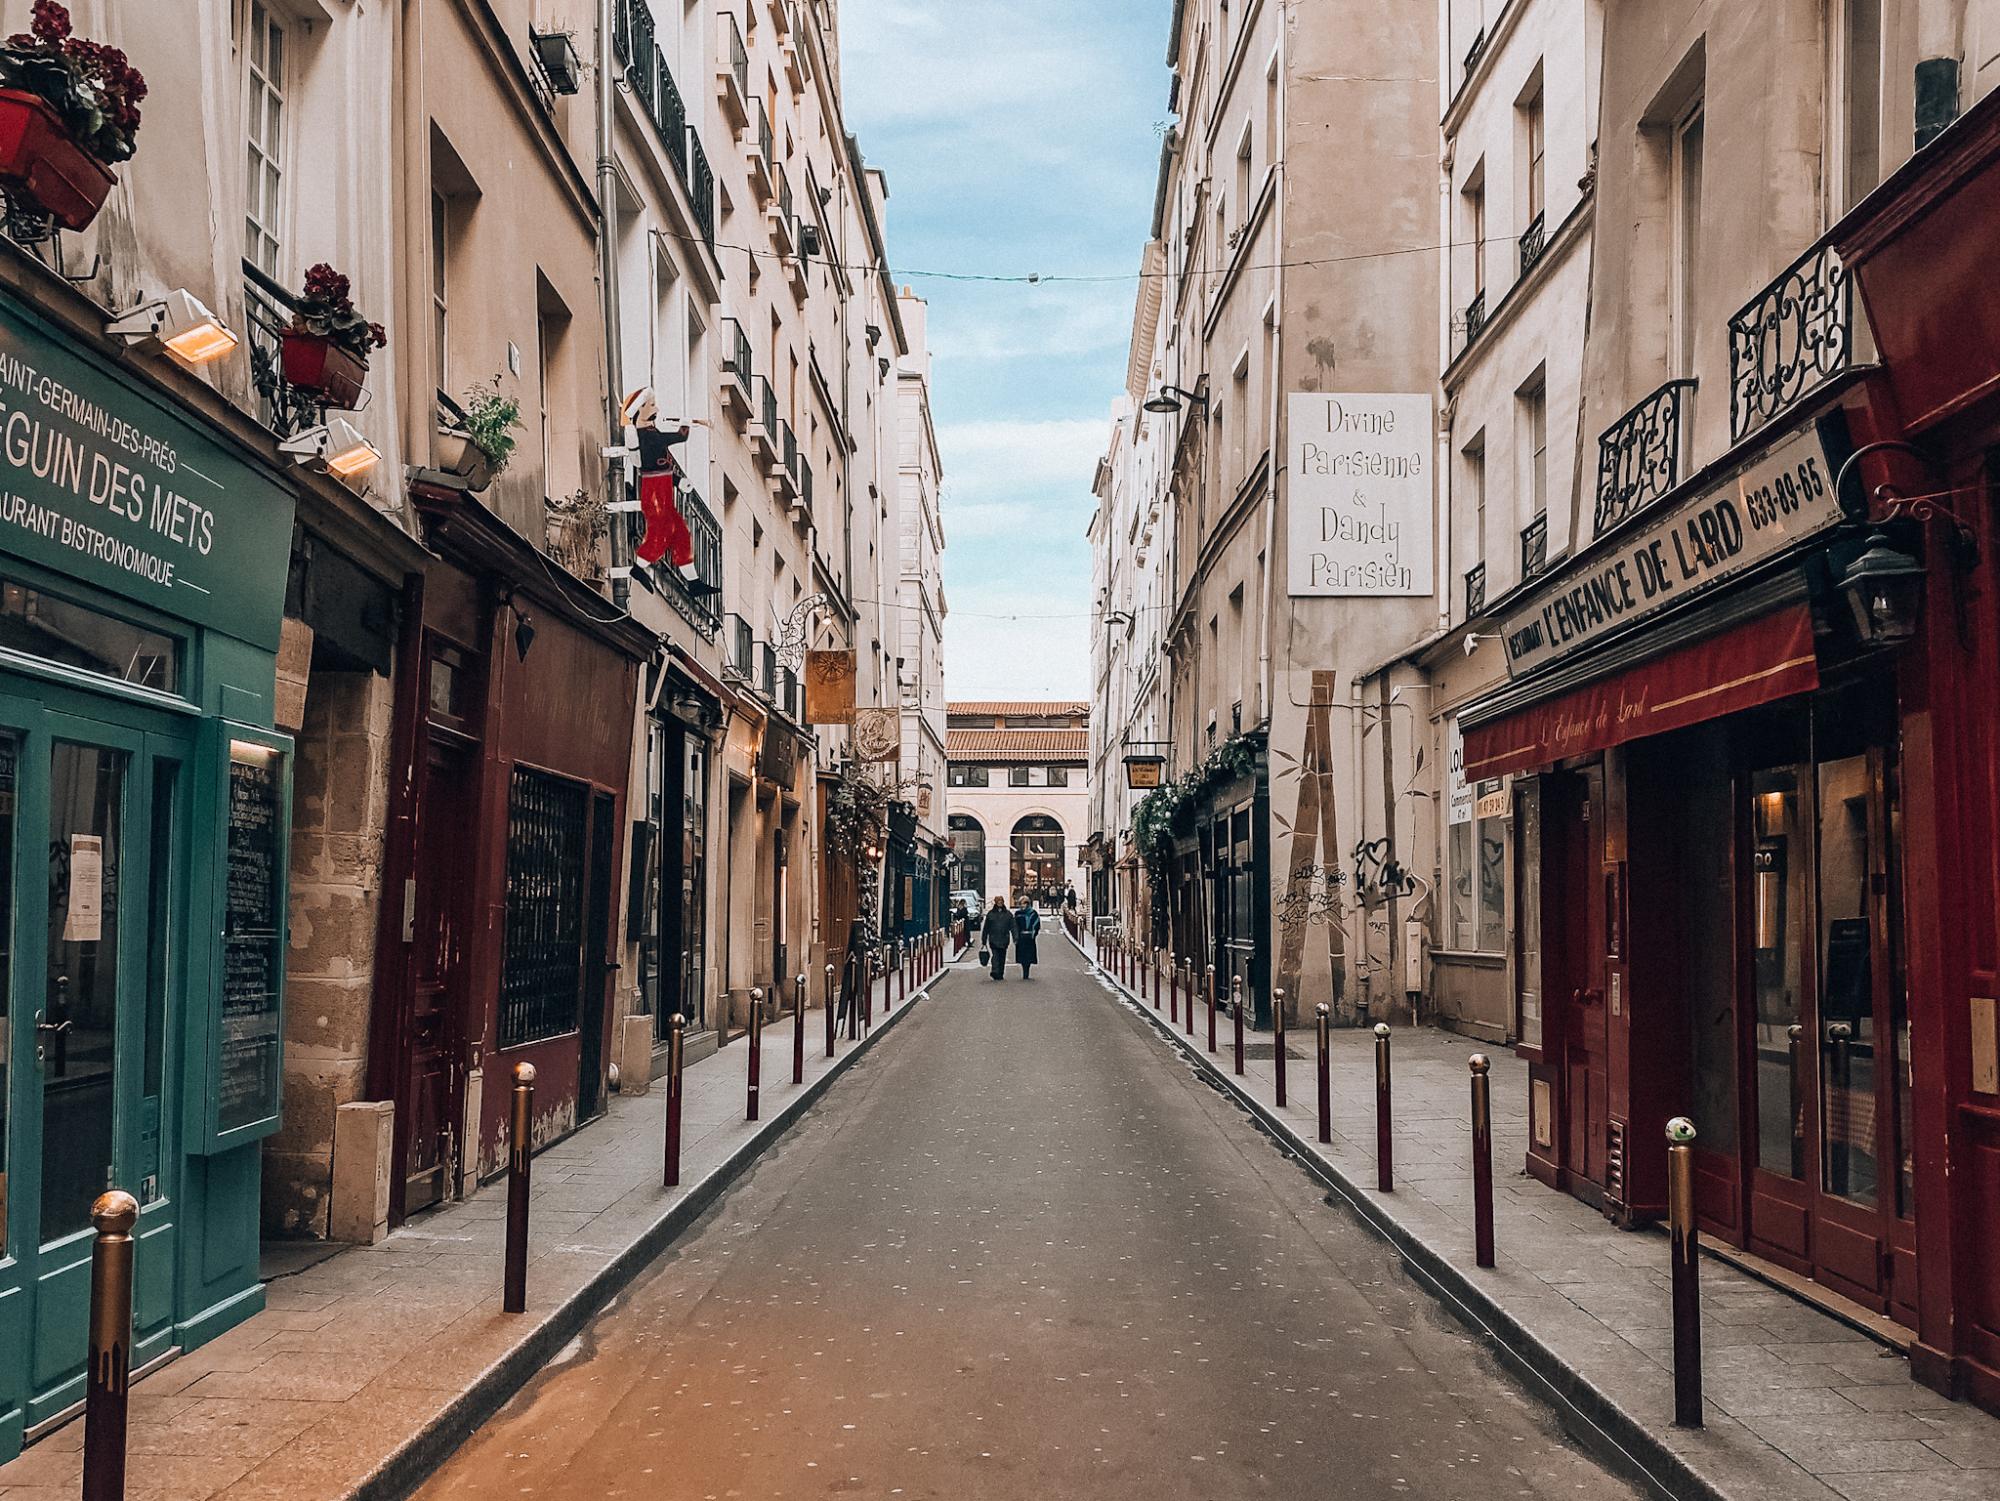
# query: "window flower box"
x,y
38,157
320,364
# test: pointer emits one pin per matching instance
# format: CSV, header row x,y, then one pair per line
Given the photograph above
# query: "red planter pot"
x,y
36,154
315,363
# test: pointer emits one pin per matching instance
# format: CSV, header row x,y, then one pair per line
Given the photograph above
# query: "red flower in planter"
x,y
327,346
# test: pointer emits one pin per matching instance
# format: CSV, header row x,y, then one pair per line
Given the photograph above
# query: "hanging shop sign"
x,y
878,735
1143,773
1771,503
102,481
829,687
1359,501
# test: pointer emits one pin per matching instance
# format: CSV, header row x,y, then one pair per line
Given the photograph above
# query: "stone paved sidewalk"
x,y
367,1367
1798,1403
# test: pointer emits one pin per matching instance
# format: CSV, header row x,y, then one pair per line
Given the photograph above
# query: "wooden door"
x,y
1583,1038
426,1109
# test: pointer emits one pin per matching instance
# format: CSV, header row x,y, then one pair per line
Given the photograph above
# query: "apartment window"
x,y
1534,132
1475,224
1239,398
1534,400
966,776
1476,859
1475,492
265,125
440,229
1687,175
1243,184
1017,776
1856,115
1058,776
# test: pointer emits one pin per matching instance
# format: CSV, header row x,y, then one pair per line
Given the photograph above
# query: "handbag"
x,y
985,957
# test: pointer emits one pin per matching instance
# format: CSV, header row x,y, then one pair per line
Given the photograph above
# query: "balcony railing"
x,y
1791,339
1534,240
1639,456
701,186
736,353
767,669
1475,590
738,645
1534,548
281,406
736,57
632,40
1475,318
765,157
1476,51
698,599
767,409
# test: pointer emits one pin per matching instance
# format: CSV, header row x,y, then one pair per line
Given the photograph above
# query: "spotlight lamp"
x,y
177,323
336,446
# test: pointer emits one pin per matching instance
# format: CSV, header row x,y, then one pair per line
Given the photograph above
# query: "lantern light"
x,y
1882,588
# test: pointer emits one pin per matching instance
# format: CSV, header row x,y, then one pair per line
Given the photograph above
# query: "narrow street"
x,y
1022,1251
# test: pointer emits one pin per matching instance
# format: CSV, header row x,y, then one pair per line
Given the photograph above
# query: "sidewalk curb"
x,y
1600,1423
417,1459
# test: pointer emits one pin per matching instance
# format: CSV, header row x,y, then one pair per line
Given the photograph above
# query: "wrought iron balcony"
x,y
1534,548
701,186
737,370
1476,51
1534,241
763,420
632,40
1475,318
1789,340
787,466
763,148
281,406
784,223
1475,589
698,599
733,64
1639,457
739,646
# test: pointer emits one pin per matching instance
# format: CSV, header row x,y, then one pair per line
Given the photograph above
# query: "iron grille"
x,y
670,116
701,186
632,39
740,645
767,669
736,356
1475,318
784,195
1534,546
1789,340
1534,240
697,598
1475,589
788,691
541,974
768,409
267,307
1476,51
739,57
1639,456
788,448
762,125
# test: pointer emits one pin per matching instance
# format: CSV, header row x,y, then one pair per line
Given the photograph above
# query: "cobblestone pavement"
x,y
1029,1255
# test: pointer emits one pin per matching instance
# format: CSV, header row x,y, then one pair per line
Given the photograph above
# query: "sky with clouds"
x,y
1018,137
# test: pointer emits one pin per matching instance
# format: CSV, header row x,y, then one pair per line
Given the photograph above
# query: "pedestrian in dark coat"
x,y
996,933
1027,927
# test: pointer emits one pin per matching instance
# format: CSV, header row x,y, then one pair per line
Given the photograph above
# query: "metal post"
x,y
1153,964
902,975
868,992
520,1154
676,1056
1482,1161
1686,1242
756,1048
1208,984
1189,987
1236,1006
1278,1042
1385,1156
1323,1024
799,1030
1173,996
830,1009
108,1380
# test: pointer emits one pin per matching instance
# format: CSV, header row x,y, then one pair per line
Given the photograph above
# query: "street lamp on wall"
x,y
1883,587
1170,399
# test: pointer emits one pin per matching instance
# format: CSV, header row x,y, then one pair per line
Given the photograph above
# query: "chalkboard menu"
x,y
253,932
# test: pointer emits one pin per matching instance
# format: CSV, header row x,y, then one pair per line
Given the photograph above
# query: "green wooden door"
x,y
92,854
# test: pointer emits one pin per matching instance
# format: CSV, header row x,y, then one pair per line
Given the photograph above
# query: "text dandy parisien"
x,y
1355,526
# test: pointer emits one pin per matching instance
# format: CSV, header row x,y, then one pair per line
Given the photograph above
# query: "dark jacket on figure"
x,y
1027,924
998,930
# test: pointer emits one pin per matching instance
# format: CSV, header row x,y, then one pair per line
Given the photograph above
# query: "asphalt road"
x,y
1021,1252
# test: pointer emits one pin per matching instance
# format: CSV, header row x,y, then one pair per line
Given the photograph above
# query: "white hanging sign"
x,y
1359,501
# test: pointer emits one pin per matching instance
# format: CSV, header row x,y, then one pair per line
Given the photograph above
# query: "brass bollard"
x,y
108,1380
756,1048
1323,1019
1482,1161
1385,1161
799,1029
1236,1006
676,1056
1278,1042
829,1011
520,1156
1208,984
1686,1242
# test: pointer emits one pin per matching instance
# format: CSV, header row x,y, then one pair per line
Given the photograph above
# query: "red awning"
x,y
1768,658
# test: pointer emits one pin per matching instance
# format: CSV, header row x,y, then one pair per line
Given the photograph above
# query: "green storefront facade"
x,y
143,816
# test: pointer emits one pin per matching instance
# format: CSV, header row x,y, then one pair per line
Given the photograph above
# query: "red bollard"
x,y
108,1373
1153,964
1323,1015
868,992
1210,987
799,1030
1385,1160
1686,1241
1278,1042
1236,1005
1173,996
756,1048
830,1011
902,977
675,1057
520,1155
1187,985
1482,1162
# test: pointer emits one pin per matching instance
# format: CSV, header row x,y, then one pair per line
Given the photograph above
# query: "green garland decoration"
x,y
1168,812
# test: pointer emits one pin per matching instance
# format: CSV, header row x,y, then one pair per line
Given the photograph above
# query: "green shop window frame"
x,y
243,803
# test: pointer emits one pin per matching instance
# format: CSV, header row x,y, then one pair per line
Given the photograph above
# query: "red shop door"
x,y
1579,1031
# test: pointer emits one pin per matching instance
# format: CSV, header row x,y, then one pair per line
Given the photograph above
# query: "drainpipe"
x,y
607,276
1277,463
1940,54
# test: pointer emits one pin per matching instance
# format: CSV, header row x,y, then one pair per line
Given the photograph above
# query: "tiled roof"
x,y
1017,745
1016,706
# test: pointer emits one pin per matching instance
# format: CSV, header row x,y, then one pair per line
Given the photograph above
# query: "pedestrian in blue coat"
x,y
1027,924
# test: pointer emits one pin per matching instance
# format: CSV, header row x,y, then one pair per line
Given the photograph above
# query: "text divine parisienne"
x,y
30,445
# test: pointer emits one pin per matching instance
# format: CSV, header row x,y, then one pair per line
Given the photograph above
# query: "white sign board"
x,y
1460,799
1359,499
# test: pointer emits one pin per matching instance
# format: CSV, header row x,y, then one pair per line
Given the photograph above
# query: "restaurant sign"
x,y
1774,501
104,482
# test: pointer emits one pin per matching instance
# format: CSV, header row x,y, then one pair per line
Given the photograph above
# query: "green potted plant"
x,y
69,108
476,440
325,350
